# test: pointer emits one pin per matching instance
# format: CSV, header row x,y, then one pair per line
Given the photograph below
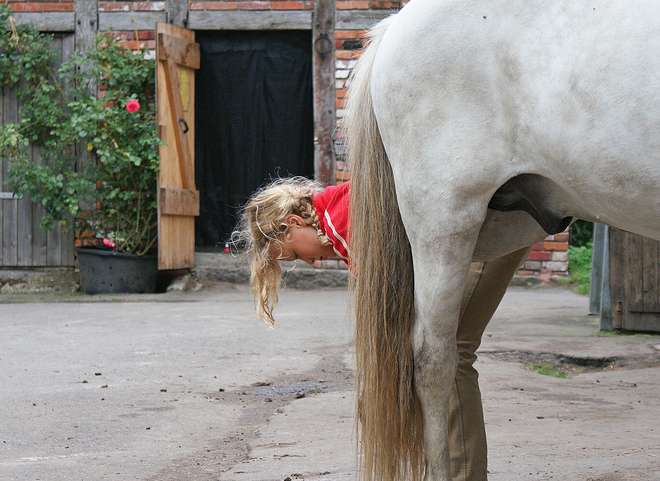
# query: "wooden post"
x,y
86,25
177,12
323,44
597,268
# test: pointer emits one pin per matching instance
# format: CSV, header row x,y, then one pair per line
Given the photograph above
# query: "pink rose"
x,y
107,242
133,106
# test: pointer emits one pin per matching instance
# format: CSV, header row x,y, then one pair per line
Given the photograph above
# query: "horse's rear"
x,y
494,116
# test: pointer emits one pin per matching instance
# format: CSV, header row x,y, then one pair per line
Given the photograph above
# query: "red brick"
x,y
132,45
149,6
288,6
196,5
346,34
538,247
563,237
221,5
58,7
555,246
341,94
383,5
343,54
114,6
340,104
25,7
352,5
524,272
539,256
257,5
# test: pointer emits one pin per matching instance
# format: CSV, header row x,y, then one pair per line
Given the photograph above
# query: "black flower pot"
x,y
104,271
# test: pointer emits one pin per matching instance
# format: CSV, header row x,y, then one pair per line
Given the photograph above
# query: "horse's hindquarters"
x,y
483,92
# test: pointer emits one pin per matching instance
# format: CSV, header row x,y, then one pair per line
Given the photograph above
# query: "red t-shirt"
x,y
331,206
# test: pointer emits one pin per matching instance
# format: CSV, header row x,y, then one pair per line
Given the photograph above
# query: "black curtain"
x,y
253,120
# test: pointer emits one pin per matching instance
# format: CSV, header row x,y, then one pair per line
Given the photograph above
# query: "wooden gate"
x,y
634,277
178,199
22,242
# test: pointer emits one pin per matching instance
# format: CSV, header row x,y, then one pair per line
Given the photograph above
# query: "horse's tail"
x,y
388,411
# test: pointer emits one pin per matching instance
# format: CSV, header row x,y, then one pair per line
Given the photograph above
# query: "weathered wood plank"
x,y
4,189
47,22
10,206
87,23
360,19
118,21
250,20
174,201
323,35
650,299
177,13
645,321
22,241
180,51
617,248
633,273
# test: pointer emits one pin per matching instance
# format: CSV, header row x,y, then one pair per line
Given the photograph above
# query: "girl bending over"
x,y
289,219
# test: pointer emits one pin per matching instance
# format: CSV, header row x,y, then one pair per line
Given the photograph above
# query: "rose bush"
x,y
113,197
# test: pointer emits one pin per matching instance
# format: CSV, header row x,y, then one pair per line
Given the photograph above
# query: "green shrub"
x,y
579,266
113,198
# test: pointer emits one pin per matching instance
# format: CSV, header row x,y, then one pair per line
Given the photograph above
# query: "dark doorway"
x,y
253,121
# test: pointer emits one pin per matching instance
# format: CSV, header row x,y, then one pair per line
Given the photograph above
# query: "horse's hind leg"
x,y
438,288
441,259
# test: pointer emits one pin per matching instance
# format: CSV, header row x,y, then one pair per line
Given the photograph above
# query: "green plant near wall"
x,y
579,265
113,199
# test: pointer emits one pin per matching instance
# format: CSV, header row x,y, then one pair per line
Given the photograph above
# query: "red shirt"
x,y
331,206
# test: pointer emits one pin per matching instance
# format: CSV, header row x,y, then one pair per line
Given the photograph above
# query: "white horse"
x,y
486,125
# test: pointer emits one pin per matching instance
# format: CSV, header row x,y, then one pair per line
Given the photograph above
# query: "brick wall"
x,y
548,260
32,7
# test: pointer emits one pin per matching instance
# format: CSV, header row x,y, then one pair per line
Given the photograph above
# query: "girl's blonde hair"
x,y
262,223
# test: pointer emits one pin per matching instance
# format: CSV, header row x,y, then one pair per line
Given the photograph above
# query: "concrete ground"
x,y
191,386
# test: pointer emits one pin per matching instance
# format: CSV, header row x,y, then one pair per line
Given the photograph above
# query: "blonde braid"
x,y
305,209
262,223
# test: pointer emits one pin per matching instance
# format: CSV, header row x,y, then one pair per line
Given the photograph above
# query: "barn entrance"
x,y
254,120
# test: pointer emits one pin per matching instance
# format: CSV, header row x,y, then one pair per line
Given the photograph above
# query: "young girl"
x,y
295,218
289,219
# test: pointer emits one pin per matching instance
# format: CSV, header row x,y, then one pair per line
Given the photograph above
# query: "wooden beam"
x,y
182,52
47,22
250,20
177,12
87,23
360,19
323,52
174,201
119,21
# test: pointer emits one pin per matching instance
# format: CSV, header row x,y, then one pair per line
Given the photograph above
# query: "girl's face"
x,y
302,242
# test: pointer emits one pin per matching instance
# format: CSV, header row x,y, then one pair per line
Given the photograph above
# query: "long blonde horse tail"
x,y
390,429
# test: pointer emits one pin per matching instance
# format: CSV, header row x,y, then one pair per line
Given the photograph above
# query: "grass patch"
x,y
620,333
579,265
548,368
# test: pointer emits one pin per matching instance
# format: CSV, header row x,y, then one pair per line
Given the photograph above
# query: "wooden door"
x,y
634,281
178,199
